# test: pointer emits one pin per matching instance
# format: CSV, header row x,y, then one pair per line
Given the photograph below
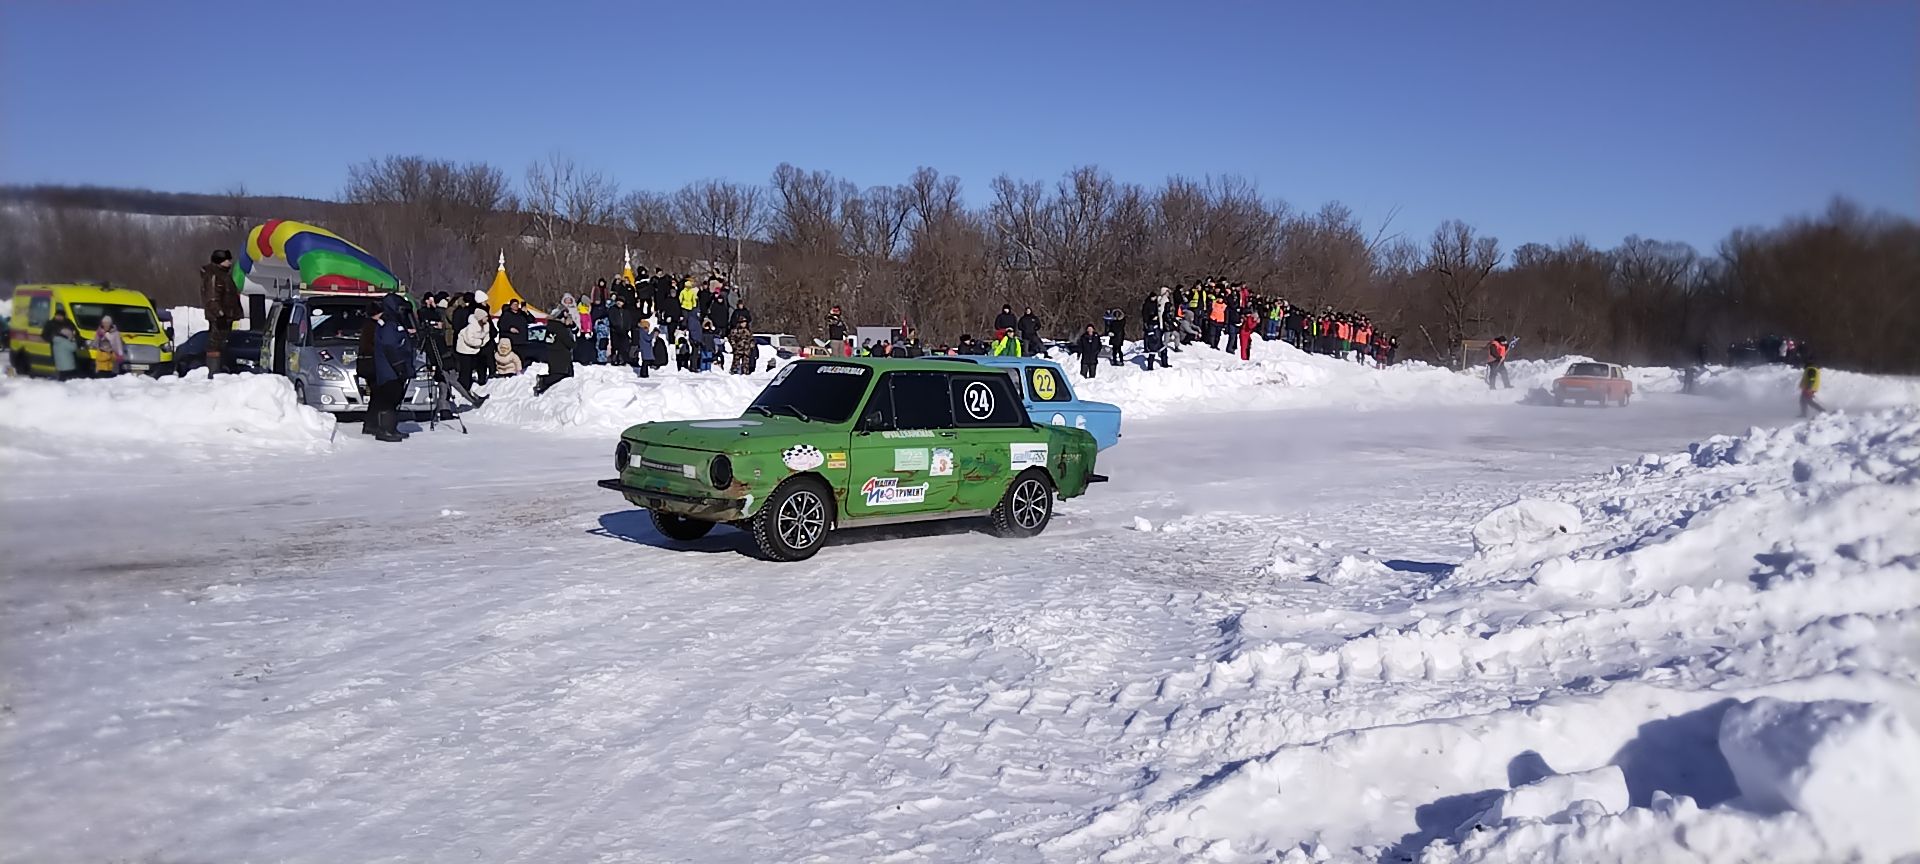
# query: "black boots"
x,y
384,424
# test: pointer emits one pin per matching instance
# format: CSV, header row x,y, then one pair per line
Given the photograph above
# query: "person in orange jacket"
x,y
1497,362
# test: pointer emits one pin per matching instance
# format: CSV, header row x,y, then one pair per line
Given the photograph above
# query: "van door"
x,y
38,352
901,459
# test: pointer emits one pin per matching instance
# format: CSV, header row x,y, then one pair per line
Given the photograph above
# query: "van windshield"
x,y
130,319
827,392
336,322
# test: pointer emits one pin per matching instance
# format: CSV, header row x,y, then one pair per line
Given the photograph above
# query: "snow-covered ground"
x,y
1316,633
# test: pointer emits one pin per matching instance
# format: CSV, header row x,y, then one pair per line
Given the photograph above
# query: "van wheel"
x,y
1027,506
676,527
793,524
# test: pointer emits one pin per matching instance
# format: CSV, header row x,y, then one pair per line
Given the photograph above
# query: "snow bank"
x,y
1742,614
1525,521
135,414
1277,375
1852,767
187,320
603,400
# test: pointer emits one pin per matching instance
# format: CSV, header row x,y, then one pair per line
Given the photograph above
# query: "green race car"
x,y
853,442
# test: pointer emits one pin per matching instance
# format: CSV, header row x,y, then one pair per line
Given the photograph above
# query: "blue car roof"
x,y
990,360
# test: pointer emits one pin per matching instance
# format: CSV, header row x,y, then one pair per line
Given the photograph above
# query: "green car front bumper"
x,y
708,508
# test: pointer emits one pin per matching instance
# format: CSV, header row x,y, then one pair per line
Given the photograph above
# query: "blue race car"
x,y
1043,387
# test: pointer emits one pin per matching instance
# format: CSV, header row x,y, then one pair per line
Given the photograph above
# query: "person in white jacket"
x,y
467,347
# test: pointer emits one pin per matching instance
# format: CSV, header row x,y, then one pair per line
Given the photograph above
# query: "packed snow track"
x,y
1277,634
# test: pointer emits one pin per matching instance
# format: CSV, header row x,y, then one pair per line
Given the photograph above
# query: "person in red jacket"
x,y
1497,362
1248,322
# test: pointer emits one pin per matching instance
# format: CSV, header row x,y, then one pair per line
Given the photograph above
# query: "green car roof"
x,y
889,364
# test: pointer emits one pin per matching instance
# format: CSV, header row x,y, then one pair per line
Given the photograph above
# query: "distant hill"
x,y
150,202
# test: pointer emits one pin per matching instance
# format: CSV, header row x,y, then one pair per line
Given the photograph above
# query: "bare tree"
x,y
1458,264
724,217
568,209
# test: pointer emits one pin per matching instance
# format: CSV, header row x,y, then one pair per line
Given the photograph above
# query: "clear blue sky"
x,y
1533,120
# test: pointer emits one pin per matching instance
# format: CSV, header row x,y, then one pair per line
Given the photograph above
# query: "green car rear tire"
x,y
1027,506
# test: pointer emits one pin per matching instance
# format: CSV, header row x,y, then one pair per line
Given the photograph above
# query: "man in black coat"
x,y
620,321
1030,333
666,302
516,325
1005,320
559,354
392,365
1088,347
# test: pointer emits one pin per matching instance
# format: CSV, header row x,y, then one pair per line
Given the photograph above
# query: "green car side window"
x,y
986,401
909,400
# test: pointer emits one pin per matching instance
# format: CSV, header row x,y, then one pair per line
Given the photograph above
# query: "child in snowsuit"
x,y
505,362
1154,343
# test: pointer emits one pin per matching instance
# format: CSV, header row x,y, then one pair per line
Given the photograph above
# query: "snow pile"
x,y
1719,643
1281,376
1838,387
187,320
1525,521
1277,376
133,413
604,400
1853,768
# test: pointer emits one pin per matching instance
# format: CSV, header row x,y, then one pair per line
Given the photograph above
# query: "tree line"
x,y
1845,279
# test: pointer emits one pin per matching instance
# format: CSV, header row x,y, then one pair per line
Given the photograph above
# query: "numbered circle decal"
x,y
1043,385
979,400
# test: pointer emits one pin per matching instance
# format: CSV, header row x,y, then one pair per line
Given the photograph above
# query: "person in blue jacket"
x,y
392,366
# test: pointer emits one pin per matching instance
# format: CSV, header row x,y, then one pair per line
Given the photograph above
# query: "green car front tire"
x,y
793,523
680,528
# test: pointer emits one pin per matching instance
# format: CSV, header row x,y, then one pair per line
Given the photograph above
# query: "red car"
x,y
1592,382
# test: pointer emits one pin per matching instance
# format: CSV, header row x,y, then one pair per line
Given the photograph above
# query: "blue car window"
x,y
1045,385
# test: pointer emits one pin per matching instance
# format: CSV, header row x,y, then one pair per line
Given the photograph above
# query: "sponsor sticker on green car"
x,y
846,443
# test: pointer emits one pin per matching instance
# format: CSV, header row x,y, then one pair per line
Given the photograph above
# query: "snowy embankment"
x,y
603,400
1708,655
1281,376
135,415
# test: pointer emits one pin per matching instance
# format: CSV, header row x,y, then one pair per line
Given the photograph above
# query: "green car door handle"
x,y
947,434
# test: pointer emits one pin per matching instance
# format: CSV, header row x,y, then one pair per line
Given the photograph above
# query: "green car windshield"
x,y
828,392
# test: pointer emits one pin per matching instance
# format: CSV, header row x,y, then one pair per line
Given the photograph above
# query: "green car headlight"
x,y
622,456
721,470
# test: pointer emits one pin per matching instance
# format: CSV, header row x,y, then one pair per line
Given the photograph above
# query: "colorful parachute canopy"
x,y
323,259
